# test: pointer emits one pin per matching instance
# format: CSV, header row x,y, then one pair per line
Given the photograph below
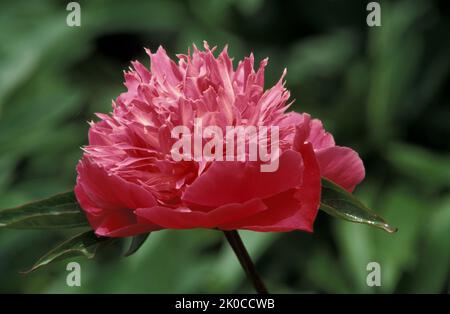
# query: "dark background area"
x,y
380,90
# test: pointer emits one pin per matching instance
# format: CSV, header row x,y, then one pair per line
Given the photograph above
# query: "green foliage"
x,y
57,212
379,90
84,244
136,243
341,204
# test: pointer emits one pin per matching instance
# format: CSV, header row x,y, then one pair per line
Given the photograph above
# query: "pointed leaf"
x,y
341,204
136,243
59,211
83,244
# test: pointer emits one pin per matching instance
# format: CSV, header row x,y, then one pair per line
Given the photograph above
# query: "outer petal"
x,y
341,165
227,182
184,218
109,201
319,137
294,209
123,224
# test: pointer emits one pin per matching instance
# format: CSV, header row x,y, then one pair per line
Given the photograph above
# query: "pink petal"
x,y
163,68
108,200
123,224
319,137
236,182
341,165
294,209
184,218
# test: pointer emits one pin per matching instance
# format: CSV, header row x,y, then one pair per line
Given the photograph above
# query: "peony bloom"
x,y
128,183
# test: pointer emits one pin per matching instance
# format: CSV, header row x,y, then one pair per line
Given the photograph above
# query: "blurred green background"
x,y
381,90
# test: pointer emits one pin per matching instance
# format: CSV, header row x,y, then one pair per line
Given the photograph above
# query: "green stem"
x,y
239,249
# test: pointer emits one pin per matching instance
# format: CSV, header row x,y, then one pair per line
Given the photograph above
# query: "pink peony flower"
x,y
128,182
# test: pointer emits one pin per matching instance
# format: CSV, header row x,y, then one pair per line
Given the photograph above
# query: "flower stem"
x,y
239,249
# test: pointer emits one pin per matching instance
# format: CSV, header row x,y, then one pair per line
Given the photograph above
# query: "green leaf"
x,y
59,211
136,243
84,244
339,203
